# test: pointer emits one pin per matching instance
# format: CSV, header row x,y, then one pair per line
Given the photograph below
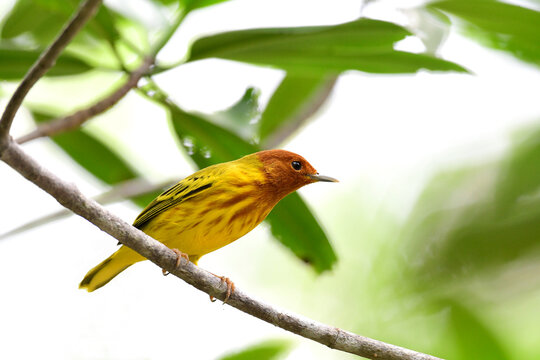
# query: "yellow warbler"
x,y
213,207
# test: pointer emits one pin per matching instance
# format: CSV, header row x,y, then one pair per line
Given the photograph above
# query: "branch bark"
x,y
76,119
45,62
70,197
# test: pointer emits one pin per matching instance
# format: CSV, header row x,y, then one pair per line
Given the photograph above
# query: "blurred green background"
x,y
426,111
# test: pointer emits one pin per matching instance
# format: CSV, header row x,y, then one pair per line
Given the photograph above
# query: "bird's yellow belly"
x,y
197,236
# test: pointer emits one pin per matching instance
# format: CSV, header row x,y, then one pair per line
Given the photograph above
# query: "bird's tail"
x,y
109,268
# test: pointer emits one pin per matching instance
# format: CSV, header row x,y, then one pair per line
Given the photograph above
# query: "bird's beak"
x,y
318,177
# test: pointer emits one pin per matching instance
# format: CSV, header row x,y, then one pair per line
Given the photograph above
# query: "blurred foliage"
x,y
472,241
470,229
477,219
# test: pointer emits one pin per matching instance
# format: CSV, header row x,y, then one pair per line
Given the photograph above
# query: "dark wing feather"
x,y
185,189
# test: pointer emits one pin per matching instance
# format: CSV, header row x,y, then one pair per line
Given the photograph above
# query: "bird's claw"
x,y
179,255
230,288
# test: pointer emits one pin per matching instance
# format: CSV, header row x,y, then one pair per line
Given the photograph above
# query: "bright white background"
x,y
382,136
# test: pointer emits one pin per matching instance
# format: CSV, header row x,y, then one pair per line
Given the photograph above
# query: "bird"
x,y
212,208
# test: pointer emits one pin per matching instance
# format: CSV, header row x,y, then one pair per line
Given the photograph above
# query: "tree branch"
x,y
70,197
45,62
76,119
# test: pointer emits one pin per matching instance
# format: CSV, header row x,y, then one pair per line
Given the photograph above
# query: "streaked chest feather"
x,y
213,219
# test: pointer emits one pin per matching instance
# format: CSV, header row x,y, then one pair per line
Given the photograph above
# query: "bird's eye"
x,y
297,165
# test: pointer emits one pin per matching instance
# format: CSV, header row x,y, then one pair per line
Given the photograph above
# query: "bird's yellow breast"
x,y
235,204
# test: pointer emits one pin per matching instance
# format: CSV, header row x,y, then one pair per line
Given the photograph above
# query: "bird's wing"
x,y
185,189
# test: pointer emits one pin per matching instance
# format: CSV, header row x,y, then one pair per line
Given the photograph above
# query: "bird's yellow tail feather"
x,y
109,268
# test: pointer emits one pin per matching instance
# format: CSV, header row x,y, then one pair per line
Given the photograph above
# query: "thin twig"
x,y
70,197
76,119
45,62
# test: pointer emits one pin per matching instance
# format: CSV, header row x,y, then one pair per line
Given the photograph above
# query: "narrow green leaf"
x,y
206,142
15,63
361,36
498,25
291,220
293,102
268,350
293,223
365,45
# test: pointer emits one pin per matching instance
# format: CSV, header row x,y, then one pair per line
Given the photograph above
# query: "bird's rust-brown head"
x,y
287,171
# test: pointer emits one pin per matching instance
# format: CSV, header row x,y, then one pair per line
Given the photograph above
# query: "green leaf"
x,y
293,102
471,337
206,142
365,45
293,223
15,63
268,350
291,220
498,25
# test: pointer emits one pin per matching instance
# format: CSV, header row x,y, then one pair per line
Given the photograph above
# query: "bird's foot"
x,y
179,255
230,288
